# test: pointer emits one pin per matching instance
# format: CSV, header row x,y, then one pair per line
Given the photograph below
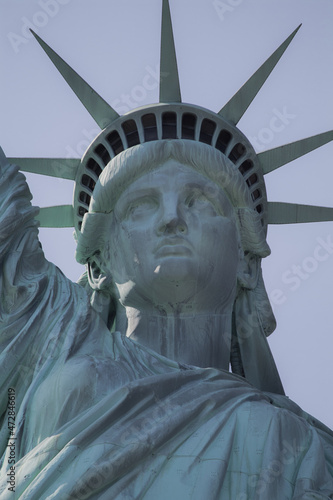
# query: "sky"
x,y
114,46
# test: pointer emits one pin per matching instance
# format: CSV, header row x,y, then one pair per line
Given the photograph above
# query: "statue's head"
x,y
161,190
172,223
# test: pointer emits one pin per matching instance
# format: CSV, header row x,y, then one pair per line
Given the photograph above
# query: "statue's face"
x,y
174,241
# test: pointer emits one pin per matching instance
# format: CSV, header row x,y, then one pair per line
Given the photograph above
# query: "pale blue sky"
x,y
114,45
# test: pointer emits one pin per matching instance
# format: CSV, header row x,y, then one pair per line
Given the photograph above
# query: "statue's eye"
x,y
197,200
141,206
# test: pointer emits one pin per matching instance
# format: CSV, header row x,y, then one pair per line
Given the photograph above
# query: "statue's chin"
x,y
176,283
175,268
167,286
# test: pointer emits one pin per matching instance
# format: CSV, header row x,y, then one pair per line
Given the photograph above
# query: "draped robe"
x,y
98,416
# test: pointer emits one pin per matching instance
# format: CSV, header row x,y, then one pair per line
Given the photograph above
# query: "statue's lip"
x,y
174,245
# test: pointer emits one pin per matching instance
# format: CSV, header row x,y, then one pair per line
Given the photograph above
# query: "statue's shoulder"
x,y
286,403
324,433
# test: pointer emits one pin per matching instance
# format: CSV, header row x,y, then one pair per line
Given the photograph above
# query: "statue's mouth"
x,y
173,246
173,250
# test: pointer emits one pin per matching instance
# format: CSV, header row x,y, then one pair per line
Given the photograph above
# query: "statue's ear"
x,y
248,270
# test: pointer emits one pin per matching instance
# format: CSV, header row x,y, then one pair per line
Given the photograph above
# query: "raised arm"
x,y
43,315
21,256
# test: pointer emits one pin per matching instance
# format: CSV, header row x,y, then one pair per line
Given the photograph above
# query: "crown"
x,y
173,119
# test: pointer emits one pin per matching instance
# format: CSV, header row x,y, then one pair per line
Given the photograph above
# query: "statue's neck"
x,y
201,339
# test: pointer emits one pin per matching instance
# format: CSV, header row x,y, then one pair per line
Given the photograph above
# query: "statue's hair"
x,y
139,160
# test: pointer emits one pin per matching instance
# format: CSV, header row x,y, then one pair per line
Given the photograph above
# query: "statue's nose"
x,y
172,219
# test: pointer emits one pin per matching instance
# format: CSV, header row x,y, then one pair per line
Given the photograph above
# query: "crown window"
x,y
207,130
94,167
149,127
223,140
189,121
169,126
237,151
115,142
131,133
103,153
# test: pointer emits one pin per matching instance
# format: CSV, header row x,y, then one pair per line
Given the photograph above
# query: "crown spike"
x,y
169,79
99,109
63,168
292,213
275,158
57,216
238,104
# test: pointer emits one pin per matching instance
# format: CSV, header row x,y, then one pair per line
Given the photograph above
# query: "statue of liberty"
x,y
118,386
